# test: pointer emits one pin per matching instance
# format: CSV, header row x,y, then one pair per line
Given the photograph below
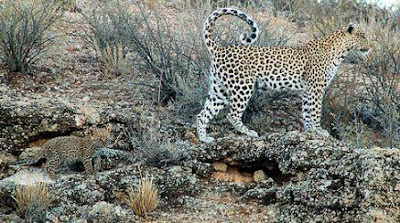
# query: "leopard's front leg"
x,y
312,108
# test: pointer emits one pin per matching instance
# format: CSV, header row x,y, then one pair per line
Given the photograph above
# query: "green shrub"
x,y
24,31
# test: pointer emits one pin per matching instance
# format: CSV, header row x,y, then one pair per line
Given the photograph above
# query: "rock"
x,y
81,196
103,211
232,175
220,167
298,177
259,176
5,160
315,173
24,119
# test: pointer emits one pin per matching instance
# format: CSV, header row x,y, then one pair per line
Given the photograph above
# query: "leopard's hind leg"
x,y
216,101
240,94
89,167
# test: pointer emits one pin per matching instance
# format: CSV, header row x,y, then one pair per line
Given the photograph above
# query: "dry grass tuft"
x,y
32,201
144,198
113,59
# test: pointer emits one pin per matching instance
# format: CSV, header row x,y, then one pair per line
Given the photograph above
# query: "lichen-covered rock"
x,y
6,159
84,196
106,212
299,177
25,119
80,190
170,181
317,179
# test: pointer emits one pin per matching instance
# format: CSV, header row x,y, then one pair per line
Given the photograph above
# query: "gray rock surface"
x,y
318,180
26,119
280,177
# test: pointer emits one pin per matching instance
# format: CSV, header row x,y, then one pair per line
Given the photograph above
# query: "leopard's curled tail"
x,y
210,23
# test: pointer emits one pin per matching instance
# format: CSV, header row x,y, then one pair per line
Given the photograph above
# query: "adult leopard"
x,y
236,69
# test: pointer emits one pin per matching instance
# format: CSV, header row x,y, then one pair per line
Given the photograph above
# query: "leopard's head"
x,y
355,40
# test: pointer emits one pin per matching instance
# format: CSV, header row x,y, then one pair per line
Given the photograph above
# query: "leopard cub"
x,y
65,150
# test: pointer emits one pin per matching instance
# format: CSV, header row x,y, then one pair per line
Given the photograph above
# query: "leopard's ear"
x,y
350,28
109,128
91,132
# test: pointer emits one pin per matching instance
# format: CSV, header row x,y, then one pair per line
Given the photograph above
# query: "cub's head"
x,y
355,40
99,137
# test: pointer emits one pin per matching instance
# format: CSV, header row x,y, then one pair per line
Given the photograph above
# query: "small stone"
x,y
220,167
259,176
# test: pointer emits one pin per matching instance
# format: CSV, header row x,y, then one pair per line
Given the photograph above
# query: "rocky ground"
x,y
284,176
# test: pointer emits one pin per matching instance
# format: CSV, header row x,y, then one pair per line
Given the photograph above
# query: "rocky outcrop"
x,y
81,196
26,119
316,179
29,121
298,177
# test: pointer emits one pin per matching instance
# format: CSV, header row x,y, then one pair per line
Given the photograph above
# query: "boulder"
x,y
316,179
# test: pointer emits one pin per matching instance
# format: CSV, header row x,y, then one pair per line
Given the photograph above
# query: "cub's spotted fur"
x,y
236,69
66,150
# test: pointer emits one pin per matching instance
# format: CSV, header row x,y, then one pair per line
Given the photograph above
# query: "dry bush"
x,y
144,198
381,76
108,24
69,5
113,59
363,105
161,154
168,47
24,31
326,15
151,149
171,52
32,201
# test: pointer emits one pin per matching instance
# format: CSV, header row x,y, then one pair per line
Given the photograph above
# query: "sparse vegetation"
x,y
69,5
144,198
161,154
143,66
381,73
24,31
32,201
108,25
